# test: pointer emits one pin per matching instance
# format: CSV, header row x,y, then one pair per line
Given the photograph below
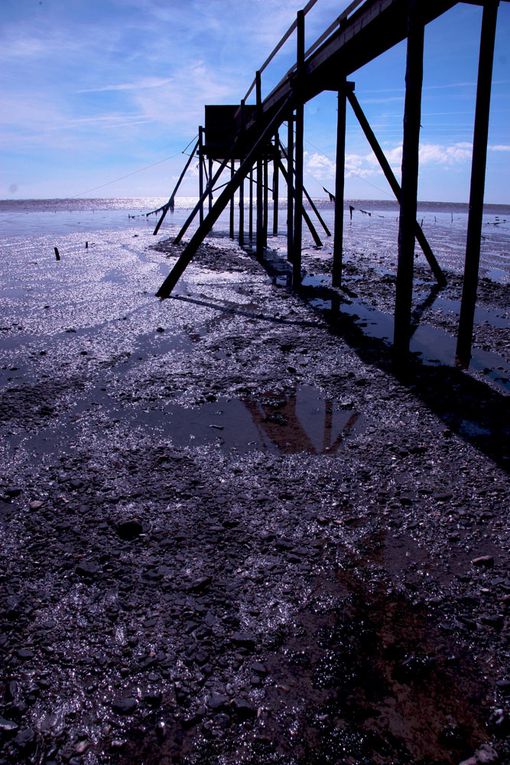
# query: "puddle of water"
x,y
303,421
481,314
434,346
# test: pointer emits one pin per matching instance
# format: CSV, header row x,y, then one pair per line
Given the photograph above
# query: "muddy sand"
x,y
232,532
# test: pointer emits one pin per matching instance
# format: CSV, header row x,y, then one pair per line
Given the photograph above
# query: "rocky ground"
x,y
233,533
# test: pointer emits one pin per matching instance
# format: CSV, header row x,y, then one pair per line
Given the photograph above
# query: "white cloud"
x,y
437,154
322,167
180,103
319,166
499,147
140,84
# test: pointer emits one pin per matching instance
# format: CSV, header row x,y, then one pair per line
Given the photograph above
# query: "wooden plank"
x,y
280,44
347,49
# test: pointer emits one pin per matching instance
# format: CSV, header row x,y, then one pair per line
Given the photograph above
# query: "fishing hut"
x,y
244,140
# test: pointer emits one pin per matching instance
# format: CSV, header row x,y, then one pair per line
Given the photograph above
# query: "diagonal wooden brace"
x,y
395,186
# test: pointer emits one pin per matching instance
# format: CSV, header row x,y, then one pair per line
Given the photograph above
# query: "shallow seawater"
x,y
88,230
370,233
432,345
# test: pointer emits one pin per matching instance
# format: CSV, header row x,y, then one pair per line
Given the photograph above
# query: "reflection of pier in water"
x,y
303,422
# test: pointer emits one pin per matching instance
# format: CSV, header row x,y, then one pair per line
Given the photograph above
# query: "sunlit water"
x,y
370,232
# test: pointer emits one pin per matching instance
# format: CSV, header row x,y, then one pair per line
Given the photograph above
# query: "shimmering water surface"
x,y
112,237
371,231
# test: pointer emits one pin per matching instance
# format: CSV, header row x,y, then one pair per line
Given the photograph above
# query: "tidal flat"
x,y
232,532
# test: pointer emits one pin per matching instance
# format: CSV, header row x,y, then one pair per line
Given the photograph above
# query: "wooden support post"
x,y
276,176
232,209
210,184
338,244
201,171
317,213
477,189
169,205
394,184
290,187
266,199
250,211
259,223
241,214
260,177
409,191
241,187
299,151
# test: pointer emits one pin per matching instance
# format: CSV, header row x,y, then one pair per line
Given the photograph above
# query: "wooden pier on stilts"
x,y
244,142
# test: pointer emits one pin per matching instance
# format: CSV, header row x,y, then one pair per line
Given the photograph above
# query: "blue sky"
x,y
94,90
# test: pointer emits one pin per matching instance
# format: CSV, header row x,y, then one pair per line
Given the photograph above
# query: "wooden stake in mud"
x,y
409,192
57,253
299,149
338,244
479,160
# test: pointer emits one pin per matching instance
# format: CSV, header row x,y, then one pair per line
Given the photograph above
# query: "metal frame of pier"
x,y
365,30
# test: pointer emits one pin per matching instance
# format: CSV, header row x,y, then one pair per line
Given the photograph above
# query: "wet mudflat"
x,y
232,533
